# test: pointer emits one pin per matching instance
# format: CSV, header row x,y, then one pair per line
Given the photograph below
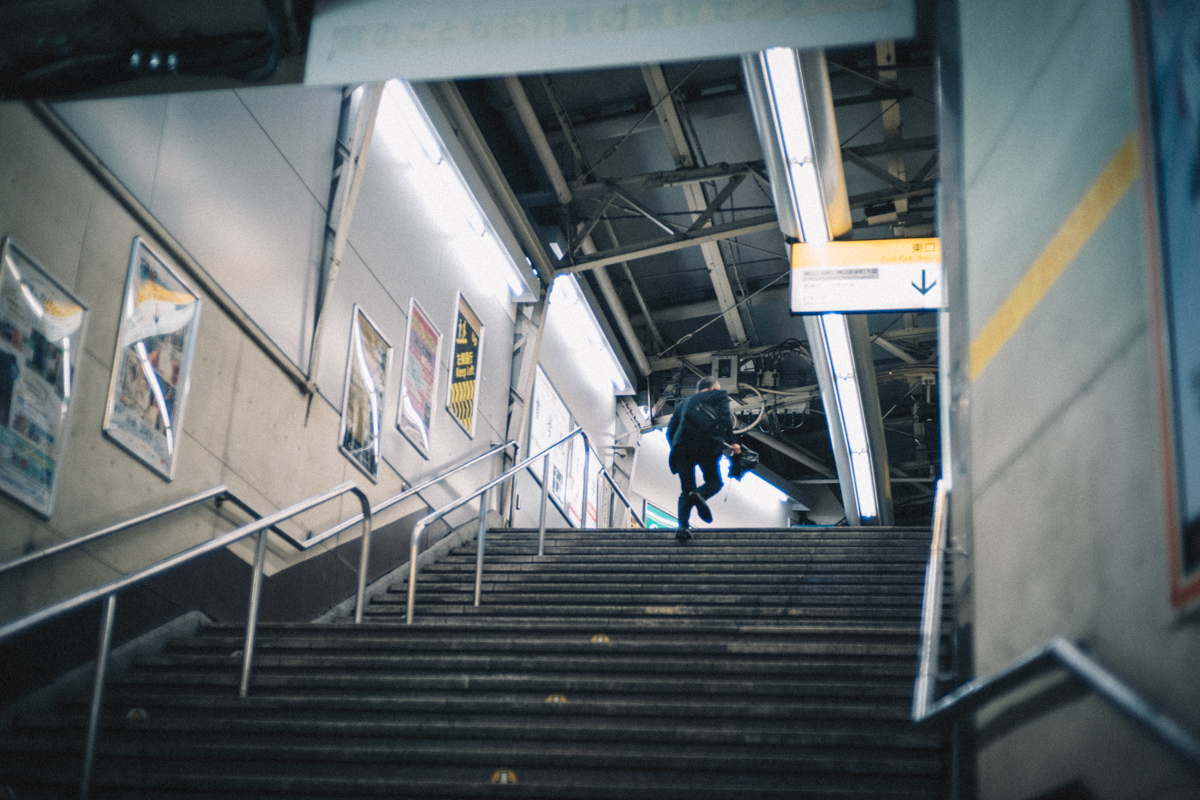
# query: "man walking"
x,y
699,430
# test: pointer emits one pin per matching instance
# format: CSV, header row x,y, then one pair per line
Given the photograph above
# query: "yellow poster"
x,y
464,368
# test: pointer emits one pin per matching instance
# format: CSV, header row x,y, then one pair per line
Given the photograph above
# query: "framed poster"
x,y
153,362
41,327
418,378
1171,70
549,421
368,359
464,367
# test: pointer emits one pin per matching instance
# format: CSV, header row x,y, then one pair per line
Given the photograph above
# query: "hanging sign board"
x,y
873,275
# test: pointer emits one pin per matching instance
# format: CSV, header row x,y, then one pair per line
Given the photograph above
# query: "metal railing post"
x,y
583,515
260,560
93,730
931,608
545,499
412,570
479,547
364,556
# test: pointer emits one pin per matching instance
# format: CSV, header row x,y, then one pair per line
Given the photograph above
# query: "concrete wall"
x,y
1065,522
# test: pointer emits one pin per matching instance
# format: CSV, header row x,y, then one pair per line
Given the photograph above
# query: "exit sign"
x,y
875,275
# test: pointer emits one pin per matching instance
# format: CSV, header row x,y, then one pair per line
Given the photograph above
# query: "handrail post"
x,y
93,730
260,560
479,547
542,513
412,570
587,462
931,609
364,556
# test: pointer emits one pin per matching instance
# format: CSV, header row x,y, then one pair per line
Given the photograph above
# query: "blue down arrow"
x,y
923,289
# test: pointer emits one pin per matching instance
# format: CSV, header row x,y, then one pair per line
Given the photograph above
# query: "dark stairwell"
x,y
620,665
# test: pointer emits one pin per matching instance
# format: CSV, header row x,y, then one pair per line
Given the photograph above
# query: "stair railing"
x,y
109,594
261,526
1058,653
481,493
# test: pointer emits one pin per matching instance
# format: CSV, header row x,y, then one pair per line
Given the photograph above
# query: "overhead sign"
x,y
374,40
875,275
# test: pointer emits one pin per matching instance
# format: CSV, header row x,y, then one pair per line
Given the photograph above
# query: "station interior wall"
x,y
240,180
1059,490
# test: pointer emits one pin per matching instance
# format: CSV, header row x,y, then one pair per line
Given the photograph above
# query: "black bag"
x,y
742,463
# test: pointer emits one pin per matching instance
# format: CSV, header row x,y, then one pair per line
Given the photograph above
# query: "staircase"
x,y
764,664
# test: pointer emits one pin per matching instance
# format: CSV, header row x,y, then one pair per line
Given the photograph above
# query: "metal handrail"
x,y
617,489
481,493
420,487
109,592
1058,653
29,558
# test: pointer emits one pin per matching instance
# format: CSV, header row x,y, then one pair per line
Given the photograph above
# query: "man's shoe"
x,y
682,535
701,506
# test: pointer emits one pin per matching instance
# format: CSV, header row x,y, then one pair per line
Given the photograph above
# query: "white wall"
x,y
1067,513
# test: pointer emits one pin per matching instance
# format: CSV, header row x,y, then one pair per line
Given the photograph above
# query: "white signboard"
x,y
877,275
374,40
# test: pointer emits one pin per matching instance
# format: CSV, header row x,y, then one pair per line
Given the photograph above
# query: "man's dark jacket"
x,y
699,428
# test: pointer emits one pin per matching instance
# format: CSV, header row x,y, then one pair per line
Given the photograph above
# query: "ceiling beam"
x,y
893,146
910,190
672,125
717,201
542,147
704,236
807,459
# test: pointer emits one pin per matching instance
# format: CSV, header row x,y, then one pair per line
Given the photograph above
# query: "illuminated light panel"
x,y
588,343
782,71
404,128
854,422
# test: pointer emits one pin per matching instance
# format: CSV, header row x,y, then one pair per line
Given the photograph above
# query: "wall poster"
x,y
367,361
549,421
418,378
1171,65
153,361
41,326
464,367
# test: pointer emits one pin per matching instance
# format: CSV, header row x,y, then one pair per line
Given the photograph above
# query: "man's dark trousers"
x,y
687,481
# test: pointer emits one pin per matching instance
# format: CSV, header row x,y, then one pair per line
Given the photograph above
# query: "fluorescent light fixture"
x,y
850,407
587,341
405,128
781,68
789,111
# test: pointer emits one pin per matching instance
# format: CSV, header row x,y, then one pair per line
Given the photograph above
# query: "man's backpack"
x,y
701,420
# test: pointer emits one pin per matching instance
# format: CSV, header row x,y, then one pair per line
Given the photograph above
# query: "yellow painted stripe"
x,y
1101,198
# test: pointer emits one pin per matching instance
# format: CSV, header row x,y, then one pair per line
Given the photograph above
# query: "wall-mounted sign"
x,y
875,275
418,378
367,363
153,362
464,368
41,330
1171,38
549,421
